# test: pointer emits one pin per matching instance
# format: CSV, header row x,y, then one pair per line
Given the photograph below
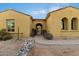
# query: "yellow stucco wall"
x,y
22,21
54,22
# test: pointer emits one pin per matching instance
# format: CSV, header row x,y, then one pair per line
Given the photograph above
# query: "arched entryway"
x,y
39,28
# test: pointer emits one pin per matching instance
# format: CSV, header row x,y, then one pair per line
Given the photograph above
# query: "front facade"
x,y
64,22
60,23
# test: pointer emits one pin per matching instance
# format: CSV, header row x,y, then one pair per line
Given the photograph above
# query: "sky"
x,y
36,10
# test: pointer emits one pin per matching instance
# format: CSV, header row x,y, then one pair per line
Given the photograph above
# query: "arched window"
x,y
74,24
64,23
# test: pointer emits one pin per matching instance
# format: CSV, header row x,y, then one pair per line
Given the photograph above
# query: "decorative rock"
x,y
28,45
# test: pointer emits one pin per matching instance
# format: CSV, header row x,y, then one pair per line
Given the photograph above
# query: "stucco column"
x,y
69,24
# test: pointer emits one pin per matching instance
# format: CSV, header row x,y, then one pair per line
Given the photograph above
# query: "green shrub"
x,y
4,35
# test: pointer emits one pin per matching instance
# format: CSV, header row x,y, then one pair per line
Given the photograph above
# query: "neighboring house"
x,y
63,22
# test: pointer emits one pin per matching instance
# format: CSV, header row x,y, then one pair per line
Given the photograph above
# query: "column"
x,y
69,24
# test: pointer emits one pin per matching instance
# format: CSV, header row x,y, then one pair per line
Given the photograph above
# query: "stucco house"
x,y
63,22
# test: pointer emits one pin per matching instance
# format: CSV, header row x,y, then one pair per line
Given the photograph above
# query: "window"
x,y
10,25
64,23
74,24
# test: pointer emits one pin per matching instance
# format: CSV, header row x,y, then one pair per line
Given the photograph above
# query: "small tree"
x,y
4,35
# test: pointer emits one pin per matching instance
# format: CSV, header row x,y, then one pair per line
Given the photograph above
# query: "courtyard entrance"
x,y
38,28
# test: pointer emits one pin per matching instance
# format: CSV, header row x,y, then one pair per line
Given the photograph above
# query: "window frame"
x,y
11,29
64,23
75,22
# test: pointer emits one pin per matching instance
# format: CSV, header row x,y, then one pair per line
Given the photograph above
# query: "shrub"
x,y
33,32
47,35
4,35
43,32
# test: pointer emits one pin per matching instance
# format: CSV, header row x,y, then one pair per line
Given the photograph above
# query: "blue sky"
x,y
36,10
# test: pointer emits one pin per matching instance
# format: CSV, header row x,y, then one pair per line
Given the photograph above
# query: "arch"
x,y
74,23
38,24
39,28
64,23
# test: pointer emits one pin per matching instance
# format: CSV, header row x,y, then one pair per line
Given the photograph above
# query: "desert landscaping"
x,y
56,47
10,47
41,47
